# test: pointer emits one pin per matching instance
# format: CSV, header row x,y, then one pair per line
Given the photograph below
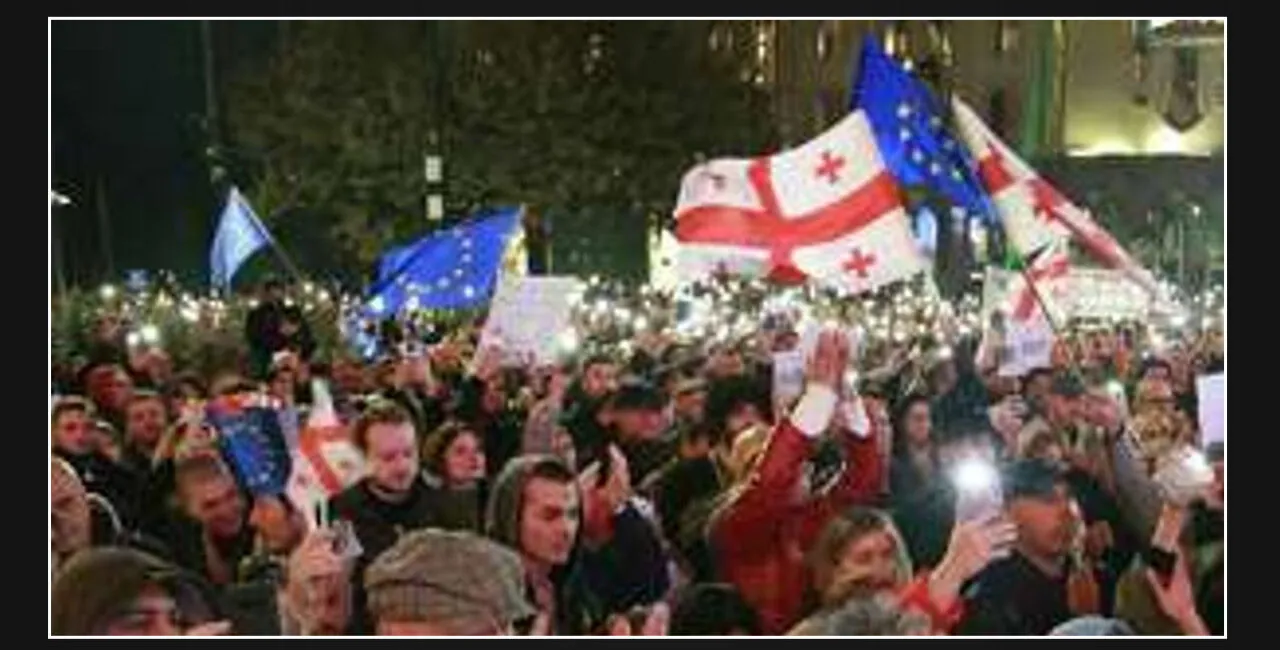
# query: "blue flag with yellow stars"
x,y
452,268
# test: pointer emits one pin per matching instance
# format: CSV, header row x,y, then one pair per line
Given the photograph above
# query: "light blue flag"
x,y
240,234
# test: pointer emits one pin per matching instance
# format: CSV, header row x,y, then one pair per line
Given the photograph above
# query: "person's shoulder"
x,y
995,580
353,497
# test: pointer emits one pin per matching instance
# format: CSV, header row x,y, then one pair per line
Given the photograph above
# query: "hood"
x,y
96,584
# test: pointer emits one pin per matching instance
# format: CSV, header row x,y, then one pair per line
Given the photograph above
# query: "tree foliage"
x,y
563,117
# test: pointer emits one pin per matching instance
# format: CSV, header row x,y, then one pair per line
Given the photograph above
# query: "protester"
x,y
453,467
713,609
147,419
273,326
392,500
771,514
123,592
434,582
1027,594
74,443
109,387
915,458
645,471
213,534
69,507
535,508
624,562
860,555
635,421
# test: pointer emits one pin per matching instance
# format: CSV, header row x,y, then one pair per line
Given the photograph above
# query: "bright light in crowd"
x,y
190,314
944,352
641,322
1115,387
568,341
975,475
150,334
132,339
107,292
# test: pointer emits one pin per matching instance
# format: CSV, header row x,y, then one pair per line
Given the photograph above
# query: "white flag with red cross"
x,y
326,460
827,210
1032,211
1047,273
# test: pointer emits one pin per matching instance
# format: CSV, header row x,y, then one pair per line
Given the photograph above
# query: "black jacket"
x,y
631,568
1012,597
262,332
102,476
377,525
185,538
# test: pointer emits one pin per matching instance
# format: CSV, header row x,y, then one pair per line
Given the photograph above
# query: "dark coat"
x,y
632,568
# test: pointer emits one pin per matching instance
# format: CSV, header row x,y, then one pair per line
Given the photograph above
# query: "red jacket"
x,y
761,539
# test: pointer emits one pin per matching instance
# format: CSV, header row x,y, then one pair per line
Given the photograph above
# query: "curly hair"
x,y
436,445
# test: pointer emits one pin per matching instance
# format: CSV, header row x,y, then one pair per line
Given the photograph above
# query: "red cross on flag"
x,y
827,210
326,461
1033,213
1049,272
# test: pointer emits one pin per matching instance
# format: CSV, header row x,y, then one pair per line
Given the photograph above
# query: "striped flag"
x,y
1033,212
326,461
827,211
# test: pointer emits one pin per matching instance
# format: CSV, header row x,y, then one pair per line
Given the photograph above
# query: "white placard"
x,y
527,316
1027,345
788,375
1211,393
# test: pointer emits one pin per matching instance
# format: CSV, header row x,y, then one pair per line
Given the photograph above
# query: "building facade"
x,y
1093,103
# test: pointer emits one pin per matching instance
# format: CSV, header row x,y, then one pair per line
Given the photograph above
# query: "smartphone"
x,y
978,492
1161,561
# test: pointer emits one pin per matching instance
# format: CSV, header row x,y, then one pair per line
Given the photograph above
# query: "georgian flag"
x,y
325,461
1033,212
827,210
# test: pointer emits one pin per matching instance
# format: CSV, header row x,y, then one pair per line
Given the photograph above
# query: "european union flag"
x,y
253,444
240,234
448,269
909,129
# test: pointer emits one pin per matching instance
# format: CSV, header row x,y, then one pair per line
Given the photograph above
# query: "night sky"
x,y
127,106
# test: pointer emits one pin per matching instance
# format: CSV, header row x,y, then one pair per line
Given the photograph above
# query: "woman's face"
x,y
917,424
464,459
868,565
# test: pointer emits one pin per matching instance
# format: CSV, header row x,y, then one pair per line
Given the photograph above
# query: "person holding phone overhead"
x,y
1027,593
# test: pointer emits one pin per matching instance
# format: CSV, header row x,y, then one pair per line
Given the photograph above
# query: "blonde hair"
x,y
834,541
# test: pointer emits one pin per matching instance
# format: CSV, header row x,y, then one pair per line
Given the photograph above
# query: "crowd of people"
x,y
654,486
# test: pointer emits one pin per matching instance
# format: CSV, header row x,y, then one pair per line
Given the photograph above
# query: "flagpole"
x,y
1048,316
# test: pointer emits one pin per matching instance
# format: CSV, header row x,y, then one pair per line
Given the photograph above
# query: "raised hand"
x,y
1176,598
829,360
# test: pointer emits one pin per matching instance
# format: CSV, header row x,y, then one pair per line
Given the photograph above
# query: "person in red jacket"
x,y
771,517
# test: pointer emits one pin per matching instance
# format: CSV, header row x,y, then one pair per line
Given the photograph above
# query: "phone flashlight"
x,y
978,488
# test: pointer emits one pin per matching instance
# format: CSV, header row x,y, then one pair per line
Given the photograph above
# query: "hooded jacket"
x,y
578,611
96,585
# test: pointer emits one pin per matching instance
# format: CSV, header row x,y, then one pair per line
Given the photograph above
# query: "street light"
x,y
58,200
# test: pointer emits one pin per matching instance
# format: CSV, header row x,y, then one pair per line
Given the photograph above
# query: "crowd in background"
x,y
649,484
